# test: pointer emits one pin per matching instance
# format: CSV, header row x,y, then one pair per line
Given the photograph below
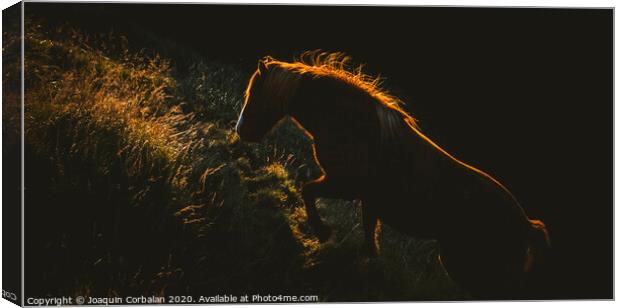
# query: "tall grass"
x,y
137,185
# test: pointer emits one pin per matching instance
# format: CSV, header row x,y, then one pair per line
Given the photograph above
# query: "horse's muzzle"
x,y
246,136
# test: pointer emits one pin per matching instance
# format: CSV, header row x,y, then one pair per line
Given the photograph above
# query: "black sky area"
x,y
525,94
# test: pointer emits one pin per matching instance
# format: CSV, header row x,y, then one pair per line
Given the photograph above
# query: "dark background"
x,y
525,94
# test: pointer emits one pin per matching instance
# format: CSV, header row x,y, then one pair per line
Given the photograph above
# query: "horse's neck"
x,y
324,108
304,107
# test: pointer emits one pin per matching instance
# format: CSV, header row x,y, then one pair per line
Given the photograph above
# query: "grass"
x,y
138,185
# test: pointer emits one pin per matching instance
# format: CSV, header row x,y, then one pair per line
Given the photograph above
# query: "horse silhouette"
x,y
373,151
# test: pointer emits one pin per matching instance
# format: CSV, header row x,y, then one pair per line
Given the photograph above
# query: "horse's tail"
x,y
539,245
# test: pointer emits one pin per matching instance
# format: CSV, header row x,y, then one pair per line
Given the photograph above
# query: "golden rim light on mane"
x,y
337,65
334,65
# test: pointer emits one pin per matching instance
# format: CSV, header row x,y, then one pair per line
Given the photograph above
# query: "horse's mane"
x,y
338,66
393,120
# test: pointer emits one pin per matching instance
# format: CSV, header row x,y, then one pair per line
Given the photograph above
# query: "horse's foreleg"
x,y
372,227
310,192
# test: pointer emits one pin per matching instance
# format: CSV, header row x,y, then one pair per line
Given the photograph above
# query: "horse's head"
x,y
262,108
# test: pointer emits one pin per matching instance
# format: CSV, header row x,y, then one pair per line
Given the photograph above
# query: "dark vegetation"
x,y
138,185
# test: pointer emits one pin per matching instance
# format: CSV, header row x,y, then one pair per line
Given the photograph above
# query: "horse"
x,y
371,150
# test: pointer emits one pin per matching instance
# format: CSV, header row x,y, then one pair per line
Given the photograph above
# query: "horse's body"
x,y
370,150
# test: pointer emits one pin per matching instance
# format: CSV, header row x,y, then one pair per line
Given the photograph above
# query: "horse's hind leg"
x,y
372,226
311,191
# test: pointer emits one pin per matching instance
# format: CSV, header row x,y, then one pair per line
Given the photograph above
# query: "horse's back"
x,y
415,178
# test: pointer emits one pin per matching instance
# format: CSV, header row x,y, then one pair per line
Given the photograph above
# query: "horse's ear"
x,y
262,63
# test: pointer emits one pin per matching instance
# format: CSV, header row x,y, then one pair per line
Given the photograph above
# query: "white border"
x,y
469,3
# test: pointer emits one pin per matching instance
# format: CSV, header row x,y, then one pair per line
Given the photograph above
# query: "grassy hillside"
x,y
138,185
